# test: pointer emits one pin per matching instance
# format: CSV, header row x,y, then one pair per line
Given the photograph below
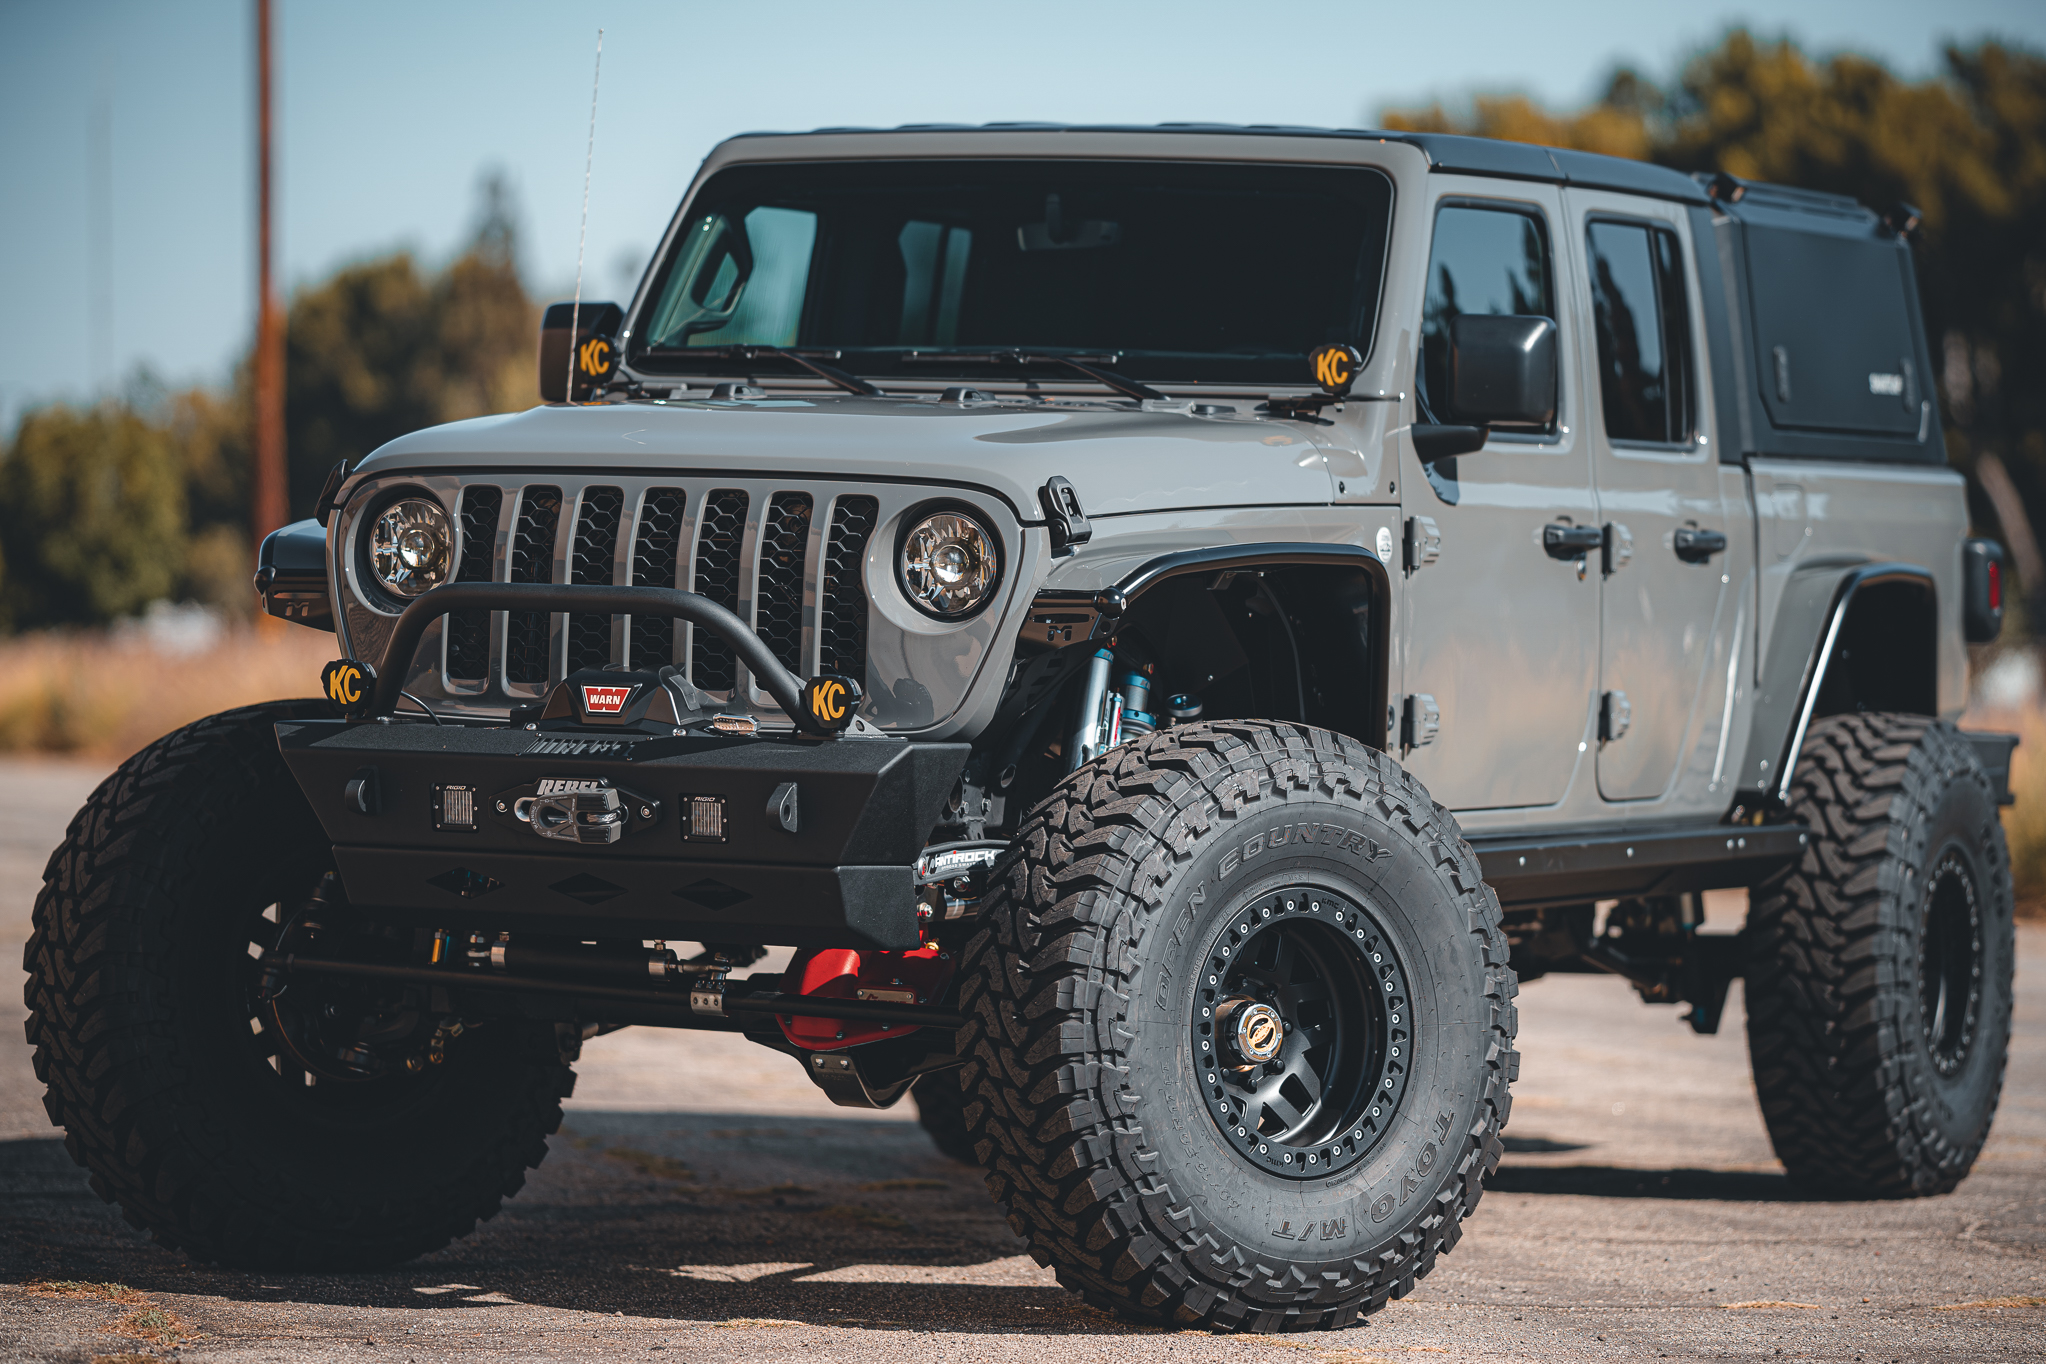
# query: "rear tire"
x,y
1880,964
147,1033
1174,912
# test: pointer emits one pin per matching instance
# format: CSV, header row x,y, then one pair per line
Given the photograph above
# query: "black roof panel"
x,y
1445,152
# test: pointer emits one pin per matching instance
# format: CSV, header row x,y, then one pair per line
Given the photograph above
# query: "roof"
x,y
1447,152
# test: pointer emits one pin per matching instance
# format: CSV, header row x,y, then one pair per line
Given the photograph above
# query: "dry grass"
x,y
99,696
147,1322
647,1163
1765,1303
2021,1300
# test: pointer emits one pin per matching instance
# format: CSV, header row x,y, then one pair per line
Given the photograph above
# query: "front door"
x,y
1501,625
1666,597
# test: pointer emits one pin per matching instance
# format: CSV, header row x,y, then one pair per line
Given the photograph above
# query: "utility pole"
x,y
268,502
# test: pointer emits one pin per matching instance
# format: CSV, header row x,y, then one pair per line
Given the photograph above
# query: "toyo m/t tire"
x,y
174,1079
1879,976
1240,1029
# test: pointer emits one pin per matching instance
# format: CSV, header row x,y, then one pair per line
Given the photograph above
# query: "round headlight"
x,y
950,565
411,547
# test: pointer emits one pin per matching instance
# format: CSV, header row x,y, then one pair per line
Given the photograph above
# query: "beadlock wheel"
x,y
1300,1031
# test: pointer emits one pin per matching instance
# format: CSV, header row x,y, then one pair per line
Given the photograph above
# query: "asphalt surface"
x,y
705,1204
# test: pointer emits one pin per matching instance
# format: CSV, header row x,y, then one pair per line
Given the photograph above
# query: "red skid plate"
x,y
917,977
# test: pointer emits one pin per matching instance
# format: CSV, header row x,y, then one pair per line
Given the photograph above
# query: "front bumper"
x,y
706,853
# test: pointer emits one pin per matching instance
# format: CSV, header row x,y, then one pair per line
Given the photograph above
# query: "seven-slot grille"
x,y
801,550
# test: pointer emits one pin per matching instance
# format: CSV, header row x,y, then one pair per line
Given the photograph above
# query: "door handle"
x,y
1573,542
1695,546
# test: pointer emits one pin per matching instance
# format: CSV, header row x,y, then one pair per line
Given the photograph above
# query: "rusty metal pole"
x,y
268,501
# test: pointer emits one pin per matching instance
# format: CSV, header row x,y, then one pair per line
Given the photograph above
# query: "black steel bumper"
x,y
705,853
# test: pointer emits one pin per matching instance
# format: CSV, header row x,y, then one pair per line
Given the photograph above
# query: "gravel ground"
x,y
703,1203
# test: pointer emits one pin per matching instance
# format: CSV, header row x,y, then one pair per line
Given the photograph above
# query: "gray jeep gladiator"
x,y
1170,626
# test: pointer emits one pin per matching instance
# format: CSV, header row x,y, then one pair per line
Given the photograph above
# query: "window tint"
x,y
1644,336
1484,260
1184,271
1833,332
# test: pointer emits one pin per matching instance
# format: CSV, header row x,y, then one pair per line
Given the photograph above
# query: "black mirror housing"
x,y
1502,369
595,347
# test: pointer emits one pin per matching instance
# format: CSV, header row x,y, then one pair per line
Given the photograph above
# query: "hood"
x,y
1120,459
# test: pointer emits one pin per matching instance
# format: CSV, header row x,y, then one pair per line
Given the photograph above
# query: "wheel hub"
x,y
1253,1029
1300,1035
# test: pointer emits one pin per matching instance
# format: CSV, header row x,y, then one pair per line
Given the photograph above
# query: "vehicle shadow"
x,y
1611,1181
897,1239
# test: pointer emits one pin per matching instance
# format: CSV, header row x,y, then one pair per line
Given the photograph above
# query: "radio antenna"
x,y
582,237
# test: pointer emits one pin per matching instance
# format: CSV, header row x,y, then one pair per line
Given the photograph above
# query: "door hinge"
x,y
1423,723
1615,714
1619,547
1424,542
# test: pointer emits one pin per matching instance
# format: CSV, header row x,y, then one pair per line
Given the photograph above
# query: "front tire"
x,y
1879,976
174,1082
1240,1029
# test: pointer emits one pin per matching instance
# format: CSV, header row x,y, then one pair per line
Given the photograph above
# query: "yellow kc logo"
x,y
827,702
594,356
1333,368
346,682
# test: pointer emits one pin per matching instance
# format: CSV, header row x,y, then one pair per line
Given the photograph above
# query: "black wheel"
x,y
939,1107
1879,978
1240,1029
300,1131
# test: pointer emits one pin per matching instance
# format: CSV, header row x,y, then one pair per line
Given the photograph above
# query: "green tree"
x,y
381,349
92,515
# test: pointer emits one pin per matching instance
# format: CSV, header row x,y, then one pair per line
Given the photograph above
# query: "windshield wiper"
x,y
1089,365
851,383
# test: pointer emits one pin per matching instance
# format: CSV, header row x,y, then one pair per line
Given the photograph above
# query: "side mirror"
x,y
1502,369
594,346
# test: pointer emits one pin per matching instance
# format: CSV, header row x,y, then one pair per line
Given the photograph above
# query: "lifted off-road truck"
x,y
1171,626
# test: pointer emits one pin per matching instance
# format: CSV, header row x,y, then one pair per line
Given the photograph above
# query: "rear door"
x,y
1666,598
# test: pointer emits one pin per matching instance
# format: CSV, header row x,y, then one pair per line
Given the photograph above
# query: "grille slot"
x,y
778,599
532,561
719,541
592,557
841,593
656,555
469,631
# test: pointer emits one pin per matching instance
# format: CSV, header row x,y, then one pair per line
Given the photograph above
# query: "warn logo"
x,y
605,700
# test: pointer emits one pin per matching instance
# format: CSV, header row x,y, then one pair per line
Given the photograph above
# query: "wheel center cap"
x,y
1259,1032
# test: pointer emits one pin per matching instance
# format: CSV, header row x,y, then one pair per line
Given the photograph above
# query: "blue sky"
x,y
389,113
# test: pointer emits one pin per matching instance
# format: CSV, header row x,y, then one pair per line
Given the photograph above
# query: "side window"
x,y
1484,260
1643,321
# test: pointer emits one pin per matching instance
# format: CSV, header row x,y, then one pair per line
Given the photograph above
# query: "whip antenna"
x,y
582,237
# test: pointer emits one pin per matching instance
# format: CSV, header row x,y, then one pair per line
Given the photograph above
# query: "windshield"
x,y
1170,272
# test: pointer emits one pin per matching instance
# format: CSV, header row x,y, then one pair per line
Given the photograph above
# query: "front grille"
x,y
790,561
469,631
719,542
532,561
842,592
592,557
656,557
784,555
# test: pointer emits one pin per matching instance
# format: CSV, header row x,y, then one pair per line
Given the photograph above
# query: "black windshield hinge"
x,y
1063,516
